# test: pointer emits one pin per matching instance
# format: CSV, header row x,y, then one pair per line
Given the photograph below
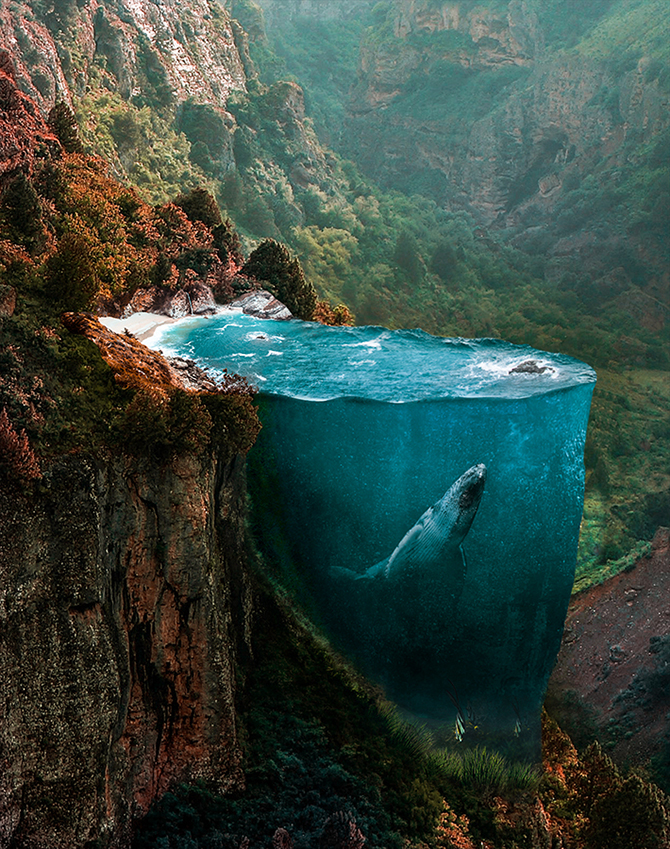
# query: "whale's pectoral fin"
x,y
404,554
342,572
376,571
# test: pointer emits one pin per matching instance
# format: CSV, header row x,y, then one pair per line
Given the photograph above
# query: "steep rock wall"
x,y
611,676
123,606
178,49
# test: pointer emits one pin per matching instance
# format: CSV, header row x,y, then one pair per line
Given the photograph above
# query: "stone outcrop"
x,y
123,606
262,304
193,299
134,365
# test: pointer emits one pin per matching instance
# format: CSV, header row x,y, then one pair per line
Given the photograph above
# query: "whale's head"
x,y
456,510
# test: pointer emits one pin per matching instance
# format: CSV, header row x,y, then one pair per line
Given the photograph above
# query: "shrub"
x,y
22,212
165,423
632,816
336,316
200,205
17,459
71,274
62,122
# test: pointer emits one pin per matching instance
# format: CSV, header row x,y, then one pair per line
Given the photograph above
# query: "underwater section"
x,y
420,498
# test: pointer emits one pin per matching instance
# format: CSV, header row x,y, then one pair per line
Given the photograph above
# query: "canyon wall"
x,y
481,107
123,608
176,49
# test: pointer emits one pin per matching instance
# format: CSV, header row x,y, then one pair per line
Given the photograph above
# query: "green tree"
x,y
444,261
63,124
272,263
406,256
200,205
71,275
200,122
21,210
632,816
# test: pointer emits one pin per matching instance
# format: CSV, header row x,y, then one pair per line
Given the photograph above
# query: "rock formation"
x,y
123,606
188,48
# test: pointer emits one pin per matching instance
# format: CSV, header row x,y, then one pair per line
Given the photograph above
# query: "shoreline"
x,y
142,325
259,303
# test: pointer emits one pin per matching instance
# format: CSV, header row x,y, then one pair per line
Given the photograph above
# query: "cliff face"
x,y
181,49
611,676
123,605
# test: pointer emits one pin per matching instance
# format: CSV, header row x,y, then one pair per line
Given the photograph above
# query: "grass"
x,y
486,772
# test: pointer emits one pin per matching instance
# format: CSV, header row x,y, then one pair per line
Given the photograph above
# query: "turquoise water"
x,y
363,430
305,360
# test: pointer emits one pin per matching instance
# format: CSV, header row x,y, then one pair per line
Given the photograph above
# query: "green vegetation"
x,y
606,808
319,744
71,238
321,55
272,263
398,259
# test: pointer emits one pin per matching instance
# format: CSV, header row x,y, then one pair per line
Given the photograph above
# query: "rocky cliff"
x,y
123,607
183,49
611,677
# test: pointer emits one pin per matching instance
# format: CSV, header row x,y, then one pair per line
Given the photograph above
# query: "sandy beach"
x,y
141,324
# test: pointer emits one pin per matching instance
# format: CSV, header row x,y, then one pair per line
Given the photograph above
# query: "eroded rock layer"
x,y
123,603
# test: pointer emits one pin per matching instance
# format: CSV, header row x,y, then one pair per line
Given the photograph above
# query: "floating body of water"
x,y
457,610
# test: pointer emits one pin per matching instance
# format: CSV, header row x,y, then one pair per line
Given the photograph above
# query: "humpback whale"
x,y
432,547
397,618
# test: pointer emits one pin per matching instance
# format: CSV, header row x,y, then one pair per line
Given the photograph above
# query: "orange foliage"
x,y
336,316
134,365
16,455
452,831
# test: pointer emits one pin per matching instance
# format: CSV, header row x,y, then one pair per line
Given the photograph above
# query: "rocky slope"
x,y
185,49
125,607
611,676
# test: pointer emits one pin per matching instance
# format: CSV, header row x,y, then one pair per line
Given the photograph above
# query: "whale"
x,y
431,549
399,617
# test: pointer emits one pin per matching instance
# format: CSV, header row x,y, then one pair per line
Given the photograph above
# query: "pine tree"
x,y
63,124
272,264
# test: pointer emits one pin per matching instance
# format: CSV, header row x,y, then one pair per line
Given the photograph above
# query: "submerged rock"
x,y
529,367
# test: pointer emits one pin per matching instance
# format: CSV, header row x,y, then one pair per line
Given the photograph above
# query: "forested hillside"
x,y
523,150
489,169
